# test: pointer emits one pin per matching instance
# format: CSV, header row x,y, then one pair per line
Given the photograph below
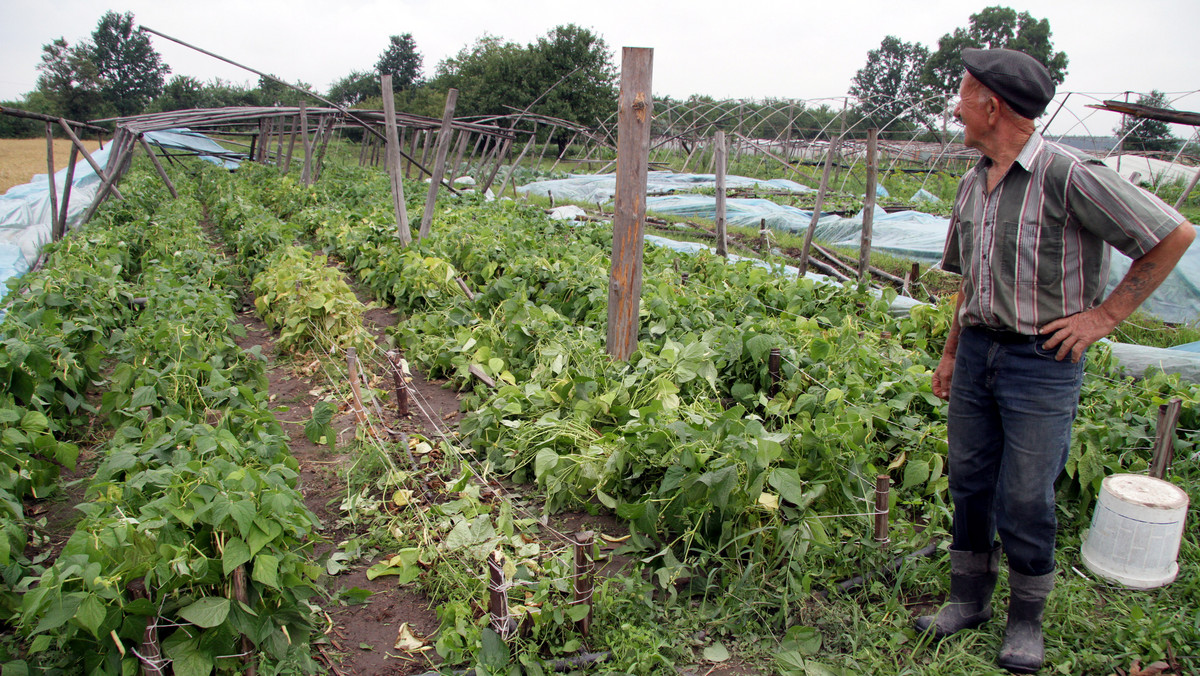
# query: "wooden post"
x,y
513,167
773,369
162,173
764,239
558,158
722,244
683,279
320,162
582,576
812,224
287,160
360,411
882,485
403,232
1164,439
241,595
412,153
88,156
362,150
466,289
305,173
634,113
910,280
122,147
464,137
401,385
255,154
439,167
501,621
503,153
279,122
864,254
55,228
426,146
150,654
66,199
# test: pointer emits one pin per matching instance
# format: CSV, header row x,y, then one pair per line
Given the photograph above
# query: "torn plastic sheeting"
x,y
206,148
592,188
1135,360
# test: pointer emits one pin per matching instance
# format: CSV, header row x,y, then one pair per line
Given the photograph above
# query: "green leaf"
x,y
806,640
788,483
545,461
716,652
243,512
493,654
916,473
35,422
208,612
578,611
144,396
266,570
91,614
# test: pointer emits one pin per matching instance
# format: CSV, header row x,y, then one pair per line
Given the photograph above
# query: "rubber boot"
x,y
972,581
1023,650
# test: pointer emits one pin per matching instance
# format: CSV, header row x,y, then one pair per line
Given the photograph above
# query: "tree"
x,y
183,92
69,81
402,61
131,71
1144,134
574,75
355,88
889,86
992,28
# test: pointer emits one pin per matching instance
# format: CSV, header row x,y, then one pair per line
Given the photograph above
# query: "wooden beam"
x,y
403,232
504,148
512,169
16,112
66,200
55,230
88,156
287,161
464,137
439,166
635,108
306,172
162,173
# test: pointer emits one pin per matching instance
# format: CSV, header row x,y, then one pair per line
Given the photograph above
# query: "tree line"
x,y
905,86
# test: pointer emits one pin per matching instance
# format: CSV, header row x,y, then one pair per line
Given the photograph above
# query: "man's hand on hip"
x,y
1072,335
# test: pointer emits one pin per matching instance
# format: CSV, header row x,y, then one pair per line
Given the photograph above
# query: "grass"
x,y
21,159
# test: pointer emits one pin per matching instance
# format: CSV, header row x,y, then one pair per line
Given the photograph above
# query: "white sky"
x,y
753,49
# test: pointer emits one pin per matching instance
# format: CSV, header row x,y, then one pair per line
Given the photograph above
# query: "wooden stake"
x,y
1164,440
764,239
320,161
773,369
466,289
864,254
66,200
635,111
882,485
162,173
501,621
279,140
1187,191
464,137
426,145
503,153
399,206
910,279
150,654
401,385
584,583
720,154
118,157
287,160
439,167
812,224
360,411
512,169
477,371
88,156
305,173
242,595
56,228
412,152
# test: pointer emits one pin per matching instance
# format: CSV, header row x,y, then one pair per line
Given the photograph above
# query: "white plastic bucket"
x,y
1137,527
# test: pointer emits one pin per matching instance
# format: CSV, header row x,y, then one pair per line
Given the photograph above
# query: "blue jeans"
x,y
1009,431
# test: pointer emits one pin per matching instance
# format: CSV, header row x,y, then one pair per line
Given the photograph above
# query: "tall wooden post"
x,y
412,153
719,142
1164,439
812,225
503,153
393,162
287,159
55,228
864,253
882,487
162,173
306,173
439,167
464,137
513,167
62,122
583,582
66,199
634,112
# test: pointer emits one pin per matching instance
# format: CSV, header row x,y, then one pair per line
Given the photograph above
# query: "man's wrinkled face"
x,y
971,110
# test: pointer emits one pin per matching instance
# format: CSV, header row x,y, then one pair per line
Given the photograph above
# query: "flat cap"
x,y
1018,78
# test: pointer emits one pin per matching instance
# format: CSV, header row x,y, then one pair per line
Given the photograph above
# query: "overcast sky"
x,y
751,49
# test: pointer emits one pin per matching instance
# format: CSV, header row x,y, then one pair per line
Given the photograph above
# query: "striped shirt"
x,y
1036,248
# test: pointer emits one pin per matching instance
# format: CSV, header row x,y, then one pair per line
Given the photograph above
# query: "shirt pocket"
x,y
1031,250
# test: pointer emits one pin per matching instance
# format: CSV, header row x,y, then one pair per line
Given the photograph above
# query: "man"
x,y
1030,233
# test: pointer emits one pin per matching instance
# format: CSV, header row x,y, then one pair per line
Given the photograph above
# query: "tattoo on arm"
x,y
1138,281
